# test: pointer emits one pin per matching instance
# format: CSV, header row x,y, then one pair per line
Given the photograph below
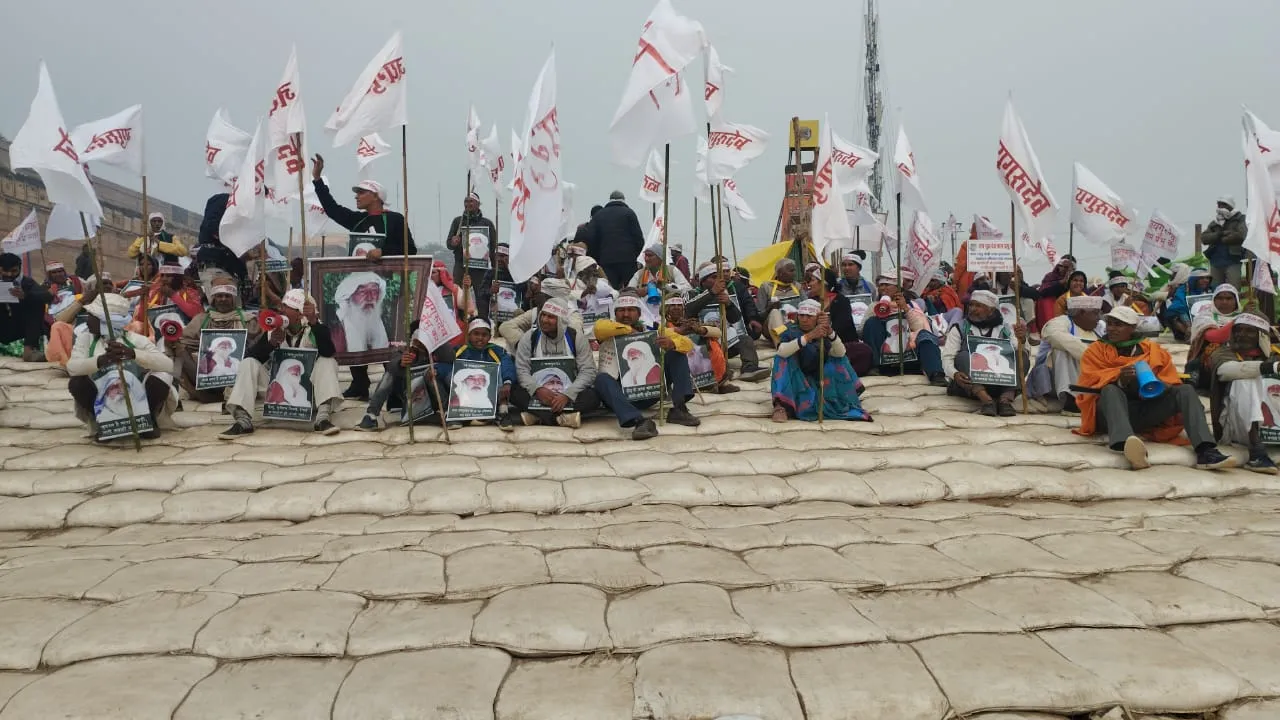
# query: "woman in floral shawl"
x,y
796,371
1210,331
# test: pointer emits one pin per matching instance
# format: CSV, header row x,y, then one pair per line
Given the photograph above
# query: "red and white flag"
x,y
225,146
853,163
370,148
1123,256
732,198
1044,245
922,248
1019,171
377,100
828,224
656,104
1263,213
516,156
115,140
474,154
655,178
861,214
286,116
244,223
714,92
1268,143
25,238
437,324
908,179
44,145
1096,211
732,146
288,163
537,201
493,159
1161,239
984,229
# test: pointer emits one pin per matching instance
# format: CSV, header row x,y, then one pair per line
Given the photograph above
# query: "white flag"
x,y
64,224
537,200
286,116
495,161
1262,280
853,163
908,179
516,156
656,105
655,178
984,229
225,146
1262,213
474,156
1044,245
370,148
828,224
377,100
437,324
1123,256
44,145
989,251
243,224
25,238
732,146
1096,211
1019,171
116,140
655,234
567,224
1268,144
1160,240
861,214
731,198
922,248
288,163
713,94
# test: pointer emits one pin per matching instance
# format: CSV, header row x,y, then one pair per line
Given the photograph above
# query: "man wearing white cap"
x,y
1065,339
657,274
680,261
303,330
713,290
158,241
93,352
370,215
1246,397
1117,293
554,338
1111,401
680,382
221,315
1223,240
512,330
982,320
472,217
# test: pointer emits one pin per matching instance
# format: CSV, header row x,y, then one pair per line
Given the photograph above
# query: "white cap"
x,y
479,323
295,298
117,305
224,290
674,300
1118,280
372,186
985,297
557,308
809,307
629,301
1122,314
1084,302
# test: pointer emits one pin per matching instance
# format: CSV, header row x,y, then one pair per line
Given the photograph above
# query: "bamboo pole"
x,y
902,350
262,275
1071,239
302,219
405,289
147,248
1017,303
694,264
111,337
662,294
733,243
797,184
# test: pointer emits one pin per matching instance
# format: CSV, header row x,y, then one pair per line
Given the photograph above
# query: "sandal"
x,y
779,415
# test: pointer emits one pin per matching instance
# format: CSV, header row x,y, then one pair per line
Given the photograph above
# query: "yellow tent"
x,y
760,263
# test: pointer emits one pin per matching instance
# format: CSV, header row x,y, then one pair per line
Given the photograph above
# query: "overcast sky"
x,y
1146,93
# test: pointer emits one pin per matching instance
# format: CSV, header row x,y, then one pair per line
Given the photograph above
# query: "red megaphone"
x,y
270,320
883,309
171,329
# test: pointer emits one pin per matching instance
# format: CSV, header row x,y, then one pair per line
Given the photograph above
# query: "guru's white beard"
x,y
363,330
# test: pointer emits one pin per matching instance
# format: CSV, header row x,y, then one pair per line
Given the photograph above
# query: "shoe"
x,y
1005,409
1069,406
454,426
505,423
682,416
150,435
753,373
224,410
988,409
324,427
1135,451
355,393
32,355
938,380
236,431
727,388
779,415
368,424
1262,463
1211,458
645,430
569,420
529,419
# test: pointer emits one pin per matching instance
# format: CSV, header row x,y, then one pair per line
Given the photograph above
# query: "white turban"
x,y
985,297
1084,302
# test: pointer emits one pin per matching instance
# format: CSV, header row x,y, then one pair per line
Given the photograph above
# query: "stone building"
x,y
122,224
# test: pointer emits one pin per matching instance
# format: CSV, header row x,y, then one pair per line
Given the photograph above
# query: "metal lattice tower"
x,y
872,96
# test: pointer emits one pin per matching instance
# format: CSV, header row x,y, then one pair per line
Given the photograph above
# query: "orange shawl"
x,y
1101,365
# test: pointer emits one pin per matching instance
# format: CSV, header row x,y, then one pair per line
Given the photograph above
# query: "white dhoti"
x,y
1054,373
252,380
1066,370
1241,408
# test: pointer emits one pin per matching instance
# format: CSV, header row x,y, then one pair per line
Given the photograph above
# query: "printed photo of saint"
x,y
471,389
220,359
286,387
642,368
359,299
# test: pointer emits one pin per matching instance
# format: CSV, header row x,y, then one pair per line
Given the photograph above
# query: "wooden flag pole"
x,y
291,247
1071,239
662,291
111,337
902,351
694,264
146,250
733,243
302,220
262,275
464,237
405,289
1017,303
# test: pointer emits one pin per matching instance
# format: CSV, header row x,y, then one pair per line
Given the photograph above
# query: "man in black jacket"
x,y
615,240
22,313
471,217
370,216
304,330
